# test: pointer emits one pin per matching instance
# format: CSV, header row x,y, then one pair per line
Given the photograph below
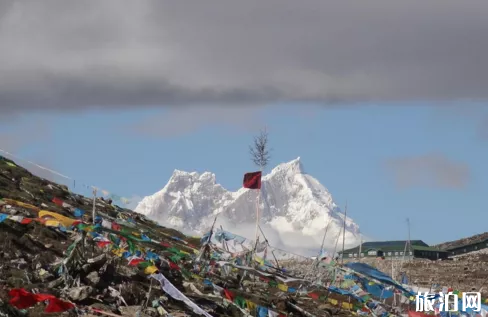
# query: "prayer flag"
x,y
252,180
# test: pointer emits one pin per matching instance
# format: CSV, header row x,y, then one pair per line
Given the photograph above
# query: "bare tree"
x,y
259,150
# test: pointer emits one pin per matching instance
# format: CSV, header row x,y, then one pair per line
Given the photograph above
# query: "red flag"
x,y
173,266
135,261
102,244
229,295
22,299
26,221
58,201
252,180
412,313
56,305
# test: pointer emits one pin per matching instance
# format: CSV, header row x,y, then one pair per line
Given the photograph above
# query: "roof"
x,y
386,246
462,246
422,248
479,238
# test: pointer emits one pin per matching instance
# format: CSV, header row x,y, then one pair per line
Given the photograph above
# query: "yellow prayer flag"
x,y
333,301
150,269
251,306
346,305
118,252
65,221
52,223
283,287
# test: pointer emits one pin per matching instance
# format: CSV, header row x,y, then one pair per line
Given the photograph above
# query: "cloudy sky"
x,y
384,100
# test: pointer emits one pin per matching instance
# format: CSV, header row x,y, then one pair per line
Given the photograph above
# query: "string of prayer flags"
x,y
172,291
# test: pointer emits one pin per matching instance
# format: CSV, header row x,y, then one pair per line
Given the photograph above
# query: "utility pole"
x,y
360,245
344,235
94,204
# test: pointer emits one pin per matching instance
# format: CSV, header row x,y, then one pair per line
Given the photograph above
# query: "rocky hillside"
x,y
458,243
54,259
461,273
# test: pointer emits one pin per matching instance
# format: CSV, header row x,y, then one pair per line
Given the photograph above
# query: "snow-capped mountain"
x,y
295,208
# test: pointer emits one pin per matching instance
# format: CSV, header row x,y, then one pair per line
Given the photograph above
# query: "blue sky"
x,y
347,148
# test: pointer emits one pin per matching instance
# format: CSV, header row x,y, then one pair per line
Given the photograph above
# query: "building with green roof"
x,y
395,249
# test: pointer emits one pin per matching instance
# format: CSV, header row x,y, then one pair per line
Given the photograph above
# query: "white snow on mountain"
x,y
295,208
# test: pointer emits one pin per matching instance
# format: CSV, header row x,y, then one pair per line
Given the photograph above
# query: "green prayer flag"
x,y
132,247
241,302
143,265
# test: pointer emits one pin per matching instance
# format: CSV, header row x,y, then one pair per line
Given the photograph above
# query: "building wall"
x,y
469,248
373,254
431,255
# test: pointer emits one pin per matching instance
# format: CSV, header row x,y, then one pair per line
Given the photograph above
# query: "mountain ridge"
x,y
293,203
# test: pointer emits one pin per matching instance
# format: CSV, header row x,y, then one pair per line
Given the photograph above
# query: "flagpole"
x,y
267,242
94,203
344,235
257,223
257,213
360,245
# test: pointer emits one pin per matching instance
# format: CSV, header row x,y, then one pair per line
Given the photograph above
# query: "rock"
x,y
43,275
80,293
132,311
92,279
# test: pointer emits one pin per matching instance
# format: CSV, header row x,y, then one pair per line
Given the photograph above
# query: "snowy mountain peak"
x,y
293,167
291,202
182,179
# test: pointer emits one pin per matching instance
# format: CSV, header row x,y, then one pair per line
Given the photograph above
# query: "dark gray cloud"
x,y
430,170
61,54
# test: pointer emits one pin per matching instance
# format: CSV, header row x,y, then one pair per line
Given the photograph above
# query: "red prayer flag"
x,y
252,180
56,305
173,266
412,313
58,201
228,294
26,221
116,226
23,299
102,244
135,262
313,295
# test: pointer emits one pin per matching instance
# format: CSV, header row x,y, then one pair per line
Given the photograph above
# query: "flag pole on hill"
x,y
260,157
344,235
267,242
94,204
